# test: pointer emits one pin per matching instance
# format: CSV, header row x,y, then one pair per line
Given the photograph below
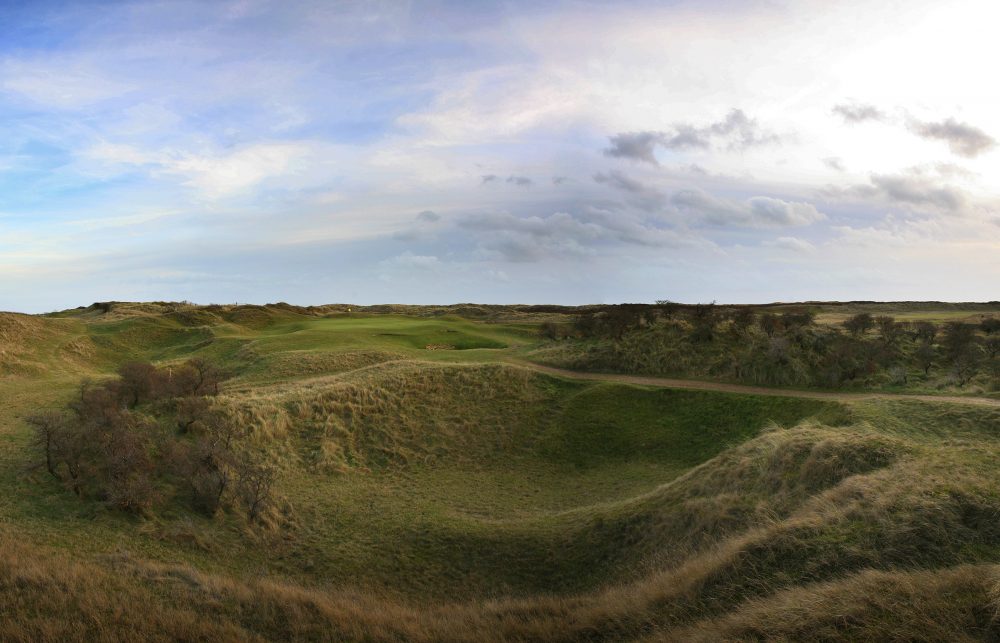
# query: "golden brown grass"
x,y
957,604
842,501
397,413
48,597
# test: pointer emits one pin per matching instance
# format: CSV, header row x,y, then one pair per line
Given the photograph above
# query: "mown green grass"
x,y
607,423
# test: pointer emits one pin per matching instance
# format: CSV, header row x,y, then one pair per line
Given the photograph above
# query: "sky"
x,y
571,152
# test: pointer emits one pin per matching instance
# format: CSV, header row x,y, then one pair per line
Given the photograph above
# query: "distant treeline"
x,y
788,348
482,311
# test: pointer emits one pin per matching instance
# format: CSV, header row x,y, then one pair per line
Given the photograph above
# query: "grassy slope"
x,y
440,478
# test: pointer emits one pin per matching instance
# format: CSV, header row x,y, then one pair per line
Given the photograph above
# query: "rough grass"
x,y
956,604
435,495
398,414
31,346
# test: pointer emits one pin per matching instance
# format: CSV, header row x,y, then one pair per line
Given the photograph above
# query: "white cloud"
x,y
793,244
216,174
225,174
61,83
408,261
494,105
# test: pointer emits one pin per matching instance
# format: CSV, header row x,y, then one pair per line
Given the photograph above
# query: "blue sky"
x,y
437,152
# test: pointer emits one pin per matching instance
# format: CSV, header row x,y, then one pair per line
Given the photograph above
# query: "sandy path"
x,y
753,390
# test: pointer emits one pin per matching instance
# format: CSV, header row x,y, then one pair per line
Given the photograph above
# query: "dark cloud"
x,y
489,177
519,180
951,170
736,131
560,235
916,190
765,210
834,163
962,139
685,137
559,180
419,230
758,211
621,182
637,146
741,131
640,195
858,113
916,187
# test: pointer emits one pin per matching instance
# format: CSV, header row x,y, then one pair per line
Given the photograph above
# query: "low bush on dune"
x,y
149,436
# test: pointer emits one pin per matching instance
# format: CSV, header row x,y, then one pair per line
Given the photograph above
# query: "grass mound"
x,y
398,414
148,338
257,317
949,605
33,347
194,317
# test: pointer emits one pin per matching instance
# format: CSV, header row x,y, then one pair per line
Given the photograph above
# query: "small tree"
x,y
771,324
965,365
254,483
992,346
549,330
926,331
990,325
137,382
207,467
667,308
191,414
123,464
50,433
925,356
859,324
586,324
743,318
623,318
704,319
798,318
208,376
889,329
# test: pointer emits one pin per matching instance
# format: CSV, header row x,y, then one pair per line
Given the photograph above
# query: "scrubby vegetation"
x,y
391,473
786,348
151,436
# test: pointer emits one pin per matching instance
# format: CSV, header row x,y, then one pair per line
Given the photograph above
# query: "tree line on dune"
x,y
780,348
151,436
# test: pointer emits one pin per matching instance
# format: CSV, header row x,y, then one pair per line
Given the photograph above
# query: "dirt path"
x,y
753,390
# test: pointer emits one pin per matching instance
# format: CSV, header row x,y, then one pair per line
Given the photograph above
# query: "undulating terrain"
x,y
449,473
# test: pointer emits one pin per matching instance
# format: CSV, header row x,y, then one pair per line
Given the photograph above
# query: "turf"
x,y
432,489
